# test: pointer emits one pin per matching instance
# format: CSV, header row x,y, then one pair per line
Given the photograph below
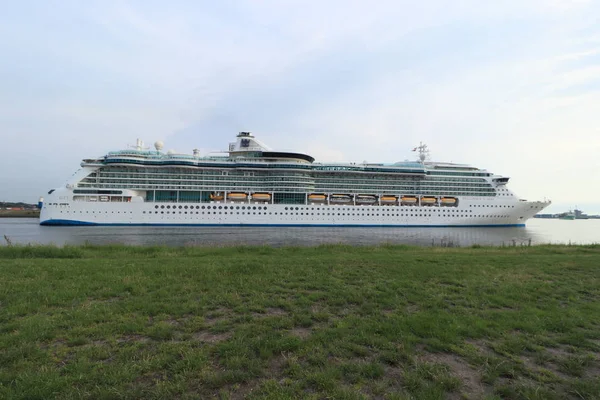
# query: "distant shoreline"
x,y
19,214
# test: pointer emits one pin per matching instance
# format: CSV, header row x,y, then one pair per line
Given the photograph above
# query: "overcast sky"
x,y
512,86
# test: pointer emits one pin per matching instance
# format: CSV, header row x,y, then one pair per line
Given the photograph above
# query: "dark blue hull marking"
x,y
66,222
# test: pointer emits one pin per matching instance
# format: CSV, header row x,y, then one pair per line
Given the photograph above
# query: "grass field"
x,y
341,322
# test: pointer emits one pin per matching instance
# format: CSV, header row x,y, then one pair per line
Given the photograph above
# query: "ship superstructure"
x,y
251,184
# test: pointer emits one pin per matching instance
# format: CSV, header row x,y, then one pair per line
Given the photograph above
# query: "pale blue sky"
x,y
513,87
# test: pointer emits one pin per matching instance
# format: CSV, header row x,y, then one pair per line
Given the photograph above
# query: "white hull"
x,y
469,212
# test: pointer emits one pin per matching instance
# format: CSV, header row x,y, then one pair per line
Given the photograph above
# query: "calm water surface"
x,y
26,230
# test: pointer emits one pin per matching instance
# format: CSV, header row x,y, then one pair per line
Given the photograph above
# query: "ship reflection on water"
x,y
538,231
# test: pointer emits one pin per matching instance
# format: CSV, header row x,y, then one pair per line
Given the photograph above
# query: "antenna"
x,y
139,145
423,152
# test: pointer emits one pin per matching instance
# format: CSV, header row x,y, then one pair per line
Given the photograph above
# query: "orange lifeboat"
x,y
261,196
237,196
449,201
409,200
317,197
428,200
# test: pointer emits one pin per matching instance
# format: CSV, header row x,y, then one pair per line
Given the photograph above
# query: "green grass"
x,y
394,322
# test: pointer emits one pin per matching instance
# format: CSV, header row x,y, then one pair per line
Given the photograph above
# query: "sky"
x,y
512,86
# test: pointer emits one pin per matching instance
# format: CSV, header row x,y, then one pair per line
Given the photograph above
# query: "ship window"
x,y
155,206
203,207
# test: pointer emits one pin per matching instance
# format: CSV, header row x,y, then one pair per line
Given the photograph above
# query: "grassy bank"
x,y
333,321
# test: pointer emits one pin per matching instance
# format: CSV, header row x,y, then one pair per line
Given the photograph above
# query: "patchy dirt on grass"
x,y
301,332
210,337
472,386
270,312
90,302
132,338
559,352
412,309
481,346
538,368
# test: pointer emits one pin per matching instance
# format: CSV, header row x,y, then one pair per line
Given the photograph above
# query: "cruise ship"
x,y
253,185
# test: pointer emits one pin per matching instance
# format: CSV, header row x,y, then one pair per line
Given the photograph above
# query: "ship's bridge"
x,y
247,145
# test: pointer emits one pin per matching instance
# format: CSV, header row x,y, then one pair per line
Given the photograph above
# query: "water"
x,y
540,231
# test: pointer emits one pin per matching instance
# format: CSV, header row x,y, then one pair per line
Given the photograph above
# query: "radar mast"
x,y
423,151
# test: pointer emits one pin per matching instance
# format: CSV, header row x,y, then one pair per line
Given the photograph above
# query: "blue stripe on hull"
x,y
66,222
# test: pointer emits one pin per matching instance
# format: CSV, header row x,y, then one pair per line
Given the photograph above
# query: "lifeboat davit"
x,y
340,198
216,196
317,197
366,199
261,196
